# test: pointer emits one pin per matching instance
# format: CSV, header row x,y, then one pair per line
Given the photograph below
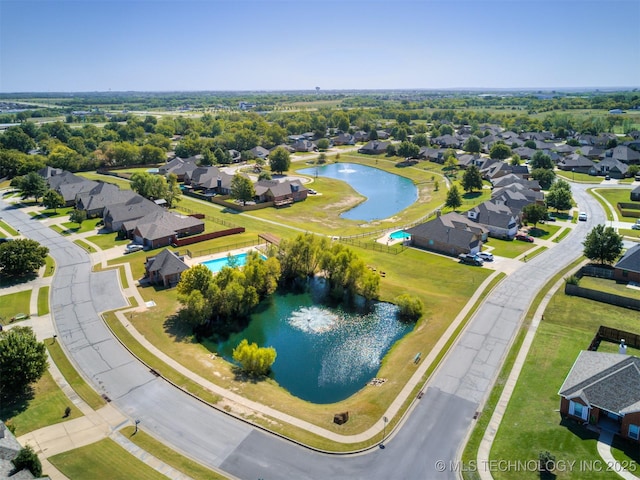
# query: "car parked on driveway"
x,y
470,259
133,247
486,256
523,237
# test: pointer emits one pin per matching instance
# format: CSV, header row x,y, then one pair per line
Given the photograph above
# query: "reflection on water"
x,y
324,354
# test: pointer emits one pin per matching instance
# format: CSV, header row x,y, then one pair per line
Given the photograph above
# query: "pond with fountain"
x,y
325,354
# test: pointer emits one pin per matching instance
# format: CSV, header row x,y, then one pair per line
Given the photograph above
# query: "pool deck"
x,y
214,256
387,240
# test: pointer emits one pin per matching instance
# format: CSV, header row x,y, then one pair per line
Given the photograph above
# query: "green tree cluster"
x,y
280,160
559,195
603,245
157,187
472,179
23,360
410,307
30,185
534,213
242,188
544,176
229,295
253,359
22,256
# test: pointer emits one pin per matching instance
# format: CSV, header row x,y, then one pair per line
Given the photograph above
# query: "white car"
x,y
133,247
582,216
486,256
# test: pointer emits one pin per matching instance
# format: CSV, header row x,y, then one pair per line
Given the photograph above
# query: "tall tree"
x,y
174,194
31,185
242,188
544,176
23,360
534,212
454,200
559,199
472,145
22,256
500,151
52,200
472,179
541,160
280,160
78,216
603,245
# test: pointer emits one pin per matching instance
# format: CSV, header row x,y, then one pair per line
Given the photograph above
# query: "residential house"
x,y
344,139
288,148
565,149
525,153
628,267
48,172
210,180
576,163
374,147
236,156
432,154
622,153
260,152
533,196
282,193
137,207
95,201
515,179
165,268
448,141
604,388
635,194
591,152
383,134
304,145
497,218
468,159
450,234
70,186
161,228
610,166
361,136
179,167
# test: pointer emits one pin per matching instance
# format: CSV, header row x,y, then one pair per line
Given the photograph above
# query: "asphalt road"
x,y
434,431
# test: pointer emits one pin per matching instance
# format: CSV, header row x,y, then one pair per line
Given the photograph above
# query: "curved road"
x,y
434,431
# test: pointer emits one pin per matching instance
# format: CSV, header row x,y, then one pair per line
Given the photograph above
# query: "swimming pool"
x,y
399,235
218,264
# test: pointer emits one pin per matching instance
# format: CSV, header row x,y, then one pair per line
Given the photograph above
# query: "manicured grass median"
x,y
49,266
169,456
43,300
46,407
93,461
85,246
8,228
71,375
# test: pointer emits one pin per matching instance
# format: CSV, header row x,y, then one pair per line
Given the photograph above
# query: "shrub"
x,y
410,307
572,280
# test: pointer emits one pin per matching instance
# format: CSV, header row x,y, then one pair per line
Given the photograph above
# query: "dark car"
x,y
524,238
469,259
4,239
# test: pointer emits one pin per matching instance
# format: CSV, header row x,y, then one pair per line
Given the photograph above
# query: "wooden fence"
x,y
181,242
598,296
614,335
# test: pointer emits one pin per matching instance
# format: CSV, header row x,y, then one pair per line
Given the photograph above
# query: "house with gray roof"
x,y
533,196
610,166
604,387
304,145
497,218
179,167
628,267
634,196
165,268
623,153
137,207
161,228
344,139
512,178
525,152
48,172
432,154
68,185
284,192
374,147
576,163
209,180
450,234
260,152
97,199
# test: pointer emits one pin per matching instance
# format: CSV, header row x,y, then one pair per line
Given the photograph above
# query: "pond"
x,y
324,354
387,193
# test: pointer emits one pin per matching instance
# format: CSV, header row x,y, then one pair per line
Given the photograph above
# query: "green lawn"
x,y
14,303
107,240
170,457
531,423
71,375
45,407
43,300
615,196
609,286
562,234
87,226
627,232
8,228
85,245
51,213
508,248
579,177
93,461
49,266
544,231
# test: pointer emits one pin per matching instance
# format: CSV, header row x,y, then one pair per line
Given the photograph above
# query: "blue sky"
x,y
160,45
